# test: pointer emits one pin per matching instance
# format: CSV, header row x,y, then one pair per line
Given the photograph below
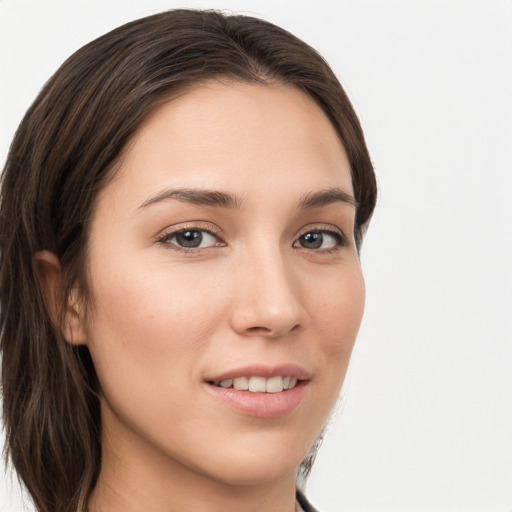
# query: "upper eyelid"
x,y
339,236
165,239
189,226
335,231
217,232
329,228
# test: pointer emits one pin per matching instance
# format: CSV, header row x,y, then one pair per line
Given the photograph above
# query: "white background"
x,y
427,418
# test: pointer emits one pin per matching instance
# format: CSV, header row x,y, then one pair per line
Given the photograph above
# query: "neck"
x,y
176,493
134,478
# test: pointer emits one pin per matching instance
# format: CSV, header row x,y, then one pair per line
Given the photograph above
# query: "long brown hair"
x,y
64,151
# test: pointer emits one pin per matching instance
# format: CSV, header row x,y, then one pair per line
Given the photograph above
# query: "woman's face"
x,y
223,250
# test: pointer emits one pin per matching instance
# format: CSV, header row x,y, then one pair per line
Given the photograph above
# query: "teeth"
x,y
257,384
241,383
274,385
260,384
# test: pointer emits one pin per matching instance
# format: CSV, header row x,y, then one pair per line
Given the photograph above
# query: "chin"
x,y
260,472
256,462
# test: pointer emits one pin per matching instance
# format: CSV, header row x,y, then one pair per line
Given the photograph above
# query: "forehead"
x,y
237,136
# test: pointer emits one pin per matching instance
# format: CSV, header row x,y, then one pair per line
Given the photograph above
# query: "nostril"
x,y
259,330
268,331
261,316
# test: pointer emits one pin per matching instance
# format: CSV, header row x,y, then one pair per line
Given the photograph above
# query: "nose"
x,y
267,301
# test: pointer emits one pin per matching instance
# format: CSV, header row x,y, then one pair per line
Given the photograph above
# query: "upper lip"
x,y
263,370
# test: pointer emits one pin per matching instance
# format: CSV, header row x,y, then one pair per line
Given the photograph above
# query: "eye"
x,y
320,239
190,239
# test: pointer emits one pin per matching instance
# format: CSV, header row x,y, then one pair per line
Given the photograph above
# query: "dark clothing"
x,y
303,502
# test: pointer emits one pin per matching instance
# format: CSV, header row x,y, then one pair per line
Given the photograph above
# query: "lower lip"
x,y
261,405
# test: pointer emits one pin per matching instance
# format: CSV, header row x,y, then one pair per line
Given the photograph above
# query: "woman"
x,y
182,211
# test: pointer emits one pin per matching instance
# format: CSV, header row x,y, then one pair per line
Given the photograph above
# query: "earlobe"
x,y
71,321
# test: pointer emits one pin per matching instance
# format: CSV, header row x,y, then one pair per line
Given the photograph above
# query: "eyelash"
x,y
165,239
341,240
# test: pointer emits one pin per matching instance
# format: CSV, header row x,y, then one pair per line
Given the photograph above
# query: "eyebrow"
x,y
204,197
200,197
327,197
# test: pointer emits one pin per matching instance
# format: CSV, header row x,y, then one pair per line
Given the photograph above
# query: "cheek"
x,y
148,321
338,314
340,310
149,331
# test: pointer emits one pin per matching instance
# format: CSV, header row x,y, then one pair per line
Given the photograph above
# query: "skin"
x,y
164,319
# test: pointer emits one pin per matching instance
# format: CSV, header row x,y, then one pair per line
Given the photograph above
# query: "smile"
x,y
258,384
260,390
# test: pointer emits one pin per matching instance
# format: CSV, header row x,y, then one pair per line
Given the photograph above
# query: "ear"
x,y
72,323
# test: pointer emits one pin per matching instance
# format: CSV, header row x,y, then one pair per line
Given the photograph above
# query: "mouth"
x,y
261,391
258,384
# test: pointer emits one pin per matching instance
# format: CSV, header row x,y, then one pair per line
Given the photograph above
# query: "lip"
x,y
260,370
261,405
